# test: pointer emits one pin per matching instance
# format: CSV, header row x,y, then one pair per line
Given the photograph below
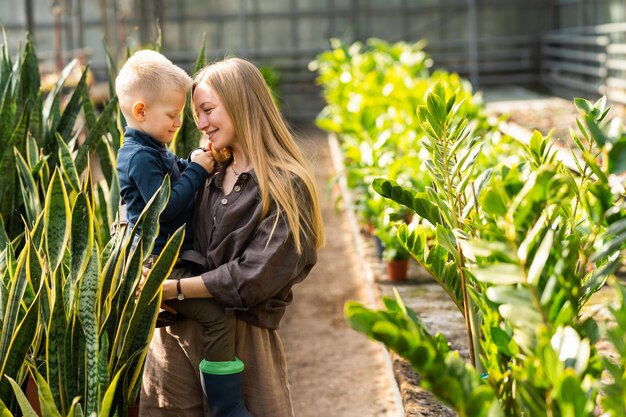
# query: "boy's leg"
x,y
218,327
221,372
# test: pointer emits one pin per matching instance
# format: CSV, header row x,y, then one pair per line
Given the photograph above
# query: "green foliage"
x,y
84,328
69,315
535,242
443,372
372,94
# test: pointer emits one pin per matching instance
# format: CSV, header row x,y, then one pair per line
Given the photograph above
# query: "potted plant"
x,y
394,254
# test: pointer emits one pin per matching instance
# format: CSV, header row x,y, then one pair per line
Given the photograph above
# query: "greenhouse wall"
x,y
490,42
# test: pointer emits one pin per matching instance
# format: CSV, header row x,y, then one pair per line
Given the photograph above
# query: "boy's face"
x,y
161,118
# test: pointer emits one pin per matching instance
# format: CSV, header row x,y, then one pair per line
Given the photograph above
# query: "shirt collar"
x,y
143,138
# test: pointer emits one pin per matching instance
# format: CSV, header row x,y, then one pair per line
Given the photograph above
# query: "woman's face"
x,y
213,120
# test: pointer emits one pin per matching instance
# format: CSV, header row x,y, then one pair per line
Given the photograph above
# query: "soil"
x,y
334,371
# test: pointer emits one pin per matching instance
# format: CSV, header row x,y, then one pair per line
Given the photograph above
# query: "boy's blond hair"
x,y
146,76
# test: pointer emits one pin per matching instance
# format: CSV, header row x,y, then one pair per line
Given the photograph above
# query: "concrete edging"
x,y
368,274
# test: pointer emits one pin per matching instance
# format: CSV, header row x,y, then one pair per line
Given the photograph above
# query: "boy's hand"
x,y
204,157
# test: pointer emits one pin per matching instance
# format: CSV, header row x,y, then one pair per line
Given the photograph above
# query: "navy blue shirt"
x,y
142,163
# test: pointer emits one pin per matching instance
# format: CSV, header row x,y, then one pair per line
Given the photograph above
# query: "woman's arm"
x,y
191,287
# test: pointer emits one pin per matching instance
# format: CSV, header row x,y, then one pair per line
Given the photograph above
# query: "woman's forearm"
x,y
191,287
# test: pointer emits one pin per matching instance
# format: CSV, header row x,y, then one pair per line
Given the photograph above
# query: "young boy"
x,y
152,92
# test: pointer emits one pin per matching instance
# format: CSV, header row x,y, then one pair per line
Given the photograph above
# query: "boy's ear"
x,y
138,110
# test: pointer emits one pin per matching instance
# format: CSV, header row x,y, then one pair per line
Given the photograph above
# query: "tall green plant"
x,y
447,204
524,236
92,331
33,130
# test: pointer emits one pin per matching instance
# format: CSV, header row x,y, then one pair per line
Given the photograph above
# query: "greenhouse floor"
x,y
333,370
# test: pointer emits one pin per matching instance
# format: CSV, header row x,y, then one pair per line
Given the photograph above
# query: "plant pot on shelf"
x,y
397,269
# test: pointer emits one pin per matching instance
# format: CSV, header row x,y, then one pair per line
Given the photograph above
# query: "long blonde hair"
x,y
267,142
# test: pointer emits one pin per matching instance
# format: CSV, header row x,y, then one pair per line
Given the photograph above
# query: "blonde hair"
x,y
283,174
147,75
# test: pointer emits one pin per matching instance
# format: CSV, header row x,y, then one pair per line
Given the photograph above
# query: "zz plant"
x,y
520,248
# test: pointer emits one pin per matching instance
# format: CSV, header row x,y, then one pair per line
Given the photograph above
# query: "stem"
x,y
455,215
466,307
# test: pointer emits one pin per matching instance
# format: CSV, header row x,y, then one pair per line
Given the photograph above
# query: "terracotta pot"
x,y
31,394
133,410
397,269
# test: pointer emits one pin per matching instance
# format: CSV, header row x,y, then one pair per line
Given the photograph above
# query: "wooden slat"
x,y
575,39
572,67
574,54
616,64
574,83
616,96
616,82
616,48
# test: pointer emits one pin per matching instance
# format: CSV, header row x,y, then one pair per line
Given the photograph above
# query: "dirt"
x,y
333,370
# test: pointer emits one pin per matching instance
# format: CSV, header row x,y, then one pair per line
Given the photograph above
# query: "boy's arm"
x,y
184,190
147,173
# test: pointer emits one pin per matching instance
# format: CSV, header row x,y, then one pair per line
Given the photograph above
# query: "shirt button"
x,y
243,176
224,201
237,188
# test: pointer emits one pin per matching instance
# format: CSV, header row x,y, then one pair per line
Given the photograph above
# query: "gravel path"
x,y
333,370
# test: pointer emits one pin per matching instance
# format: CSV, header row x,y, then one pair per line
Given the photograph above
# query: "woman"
x,y
257,225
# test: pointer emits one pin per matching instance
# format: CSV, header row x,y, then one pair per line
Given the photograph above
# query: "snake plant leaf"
x,y
88,312
29,189
20,340
73,107
103,364
57,217
109,395
151,289
140,346
34,271
8,111
4,238
81,239
102,218
67,164
37,232
46,400
111,67
4,411
36,122
107,157
8,183
149,218
32,154
56,354
95,135
16,286
52,105
29,76
27,409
